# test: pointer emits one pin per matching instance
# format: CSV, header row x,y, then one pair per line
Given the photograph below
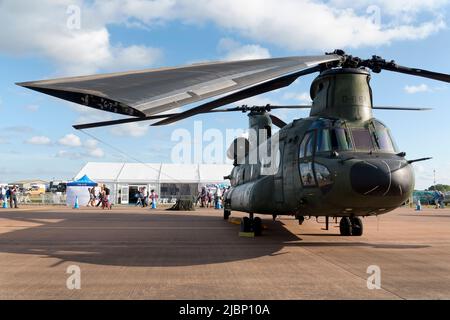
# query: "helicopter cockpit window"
x,y
306,146
323,140
362,138
383,138
340,139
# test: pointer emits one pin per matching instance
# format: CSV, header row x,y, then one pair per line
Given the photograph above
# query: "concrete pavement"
x,y
134,253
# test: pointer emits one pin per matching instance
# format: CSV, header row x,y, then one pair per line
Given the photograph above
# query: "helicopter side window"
x,y
362,139
307,148
307,174
323,175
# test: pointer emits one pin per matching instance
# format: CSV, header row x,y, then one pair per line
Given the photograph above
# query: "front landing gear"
x,y
351,226
226,214
251,225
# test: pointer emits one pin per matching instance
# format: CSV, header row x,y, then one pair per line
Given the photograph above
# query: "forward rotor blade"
x,y
274,84
401,108
277,121
418,72
149,92
118,121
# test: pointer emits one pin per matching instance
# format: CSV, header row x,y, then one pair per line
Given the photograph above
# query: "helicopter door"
x,y
278,178
306,160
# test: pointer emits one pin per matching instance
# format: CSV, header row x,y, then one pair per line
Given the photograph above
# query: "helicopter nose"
x,y
382,178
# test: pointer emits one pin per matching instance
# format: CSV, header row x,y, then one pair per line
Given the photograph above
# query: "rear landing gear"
x,y
251,225
351,226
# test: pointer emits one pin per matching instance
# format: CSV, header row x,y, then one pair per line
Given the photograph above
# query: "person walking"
x,y
153,199
13,197
2,195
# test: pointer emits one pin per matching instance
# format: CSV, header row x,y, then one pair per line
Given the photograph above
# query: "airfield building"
x,y
170,181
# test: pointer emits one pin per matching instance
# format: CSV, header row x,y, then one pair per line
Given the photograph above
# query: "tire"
x,y
226,214
246,224
345,226
357,226
257,226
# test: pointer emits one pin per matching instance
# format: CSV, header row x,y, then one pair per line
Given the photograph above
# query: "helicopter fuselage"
x,y
321,169
340,161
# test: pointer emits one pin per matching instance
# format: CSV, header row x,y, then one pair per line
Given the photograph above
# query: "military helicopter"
x,y
340,162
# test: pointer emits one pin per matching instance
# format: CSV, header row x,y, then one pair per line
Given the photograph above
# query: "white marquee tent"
x,y
169,180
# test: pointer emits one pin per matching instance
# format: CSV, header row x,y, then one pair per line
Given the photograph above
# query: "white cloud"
x,y
303,97
92,149
415,89
312,25
39,140
68,155
70,140
236,51
290,24
96,153
130,130
75,51
32,107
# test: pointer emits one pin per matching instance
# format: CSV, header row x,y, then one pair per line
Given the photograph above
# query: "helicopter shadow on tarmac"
x,y
145,240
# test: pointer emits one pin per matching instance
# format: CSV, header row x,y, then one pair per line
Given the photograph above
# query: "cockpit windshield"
x,y
333,139
383,137
336,136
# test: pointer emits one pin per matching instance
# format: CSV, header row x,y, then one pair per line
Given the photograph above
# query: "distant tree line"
x,y
440,187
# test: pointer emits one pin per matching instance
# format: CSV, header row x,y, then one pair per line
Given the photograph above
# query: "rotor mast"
x,y
342,93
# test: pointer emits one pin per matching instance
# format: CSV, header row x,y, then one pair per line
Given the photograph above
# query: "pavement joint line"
x,y
350,272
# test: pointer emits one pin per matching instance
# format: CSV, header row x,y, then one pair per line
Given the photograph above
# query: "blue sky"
x,y
36,137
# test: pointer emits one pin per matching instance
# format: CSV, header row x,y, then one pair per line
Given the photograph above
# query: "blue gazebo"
x,y
84,181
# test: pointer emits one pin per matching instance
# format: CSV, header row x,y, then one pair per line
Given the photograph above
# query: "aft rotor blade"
x,y
271,85
277,121
401,108
118,121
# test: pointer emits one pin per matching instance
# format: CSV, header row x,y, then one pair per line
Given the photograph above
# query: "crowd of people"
x,y
8,194
100,196
145,199
210,197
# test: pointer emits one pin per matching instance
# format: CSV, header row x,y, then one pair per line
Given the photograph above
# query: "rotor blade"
x,y
291,107
401,108
152,91
273,84
118,121
417,72
277,121
266,108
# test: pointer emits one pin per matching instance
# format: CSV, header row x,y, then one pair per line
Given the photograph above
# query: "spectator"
x,y
203,197
2,195
153,199
13,197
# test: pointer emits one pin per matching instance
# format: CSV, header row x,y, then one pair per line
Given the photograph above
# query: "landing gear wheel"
x,y
257,226
246,224
345,226
357,226
226,214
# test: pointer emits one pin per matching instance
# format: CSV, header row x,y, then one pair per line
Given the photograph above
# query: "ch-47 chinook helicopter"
x,y
340,162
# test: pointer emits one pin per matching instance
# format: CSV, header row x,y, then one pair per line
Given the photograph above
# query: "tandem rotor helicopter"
x,y
340,162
